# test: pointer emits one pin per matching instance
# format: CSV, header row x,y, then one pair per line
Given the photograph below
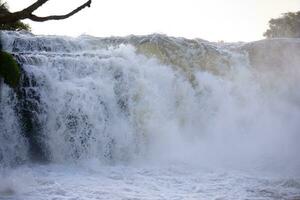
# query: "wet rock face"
x,y
29,109
274,54
276,65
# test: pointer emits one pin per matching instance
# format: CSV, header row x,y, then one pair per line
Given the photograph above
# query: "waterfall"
x,y
150,98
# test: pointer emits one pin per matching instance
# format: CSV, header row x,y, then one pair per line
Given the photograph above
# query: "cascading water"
x,y
172,109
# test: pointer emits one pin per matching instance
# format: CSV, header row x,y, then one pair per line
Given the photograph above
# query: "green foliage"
x,y
18,26
286,26
9,69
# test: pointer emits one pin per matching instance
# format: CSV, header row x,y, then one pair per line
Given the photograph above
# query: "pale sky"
x,y
213,20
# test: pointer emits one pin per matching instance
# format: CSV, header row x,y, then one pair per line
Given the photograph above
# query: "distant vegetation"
x,y
286,26
15,26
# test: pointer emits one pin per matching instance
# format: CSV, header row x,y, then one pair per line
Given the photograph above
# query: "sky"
x,y
213,20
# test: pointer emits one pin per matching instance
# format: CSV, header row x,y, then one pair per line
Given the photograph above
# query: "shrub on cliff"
x,y
9,69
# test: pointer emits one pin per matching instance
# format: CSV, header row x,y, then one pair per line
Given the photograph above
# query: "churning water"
x,y
150,117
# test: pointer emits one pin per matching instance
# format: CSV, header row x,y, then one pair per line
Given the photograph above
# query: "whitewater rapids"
x,y
150,117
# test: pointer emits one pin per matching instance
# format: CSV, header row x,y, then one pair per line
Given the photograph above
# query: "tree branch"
x,y
33,7
6,18
59,17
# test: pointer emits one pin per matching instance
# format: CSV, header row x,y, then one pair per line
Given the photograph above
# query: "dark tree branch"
x,y
7,17
33,7
59,17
